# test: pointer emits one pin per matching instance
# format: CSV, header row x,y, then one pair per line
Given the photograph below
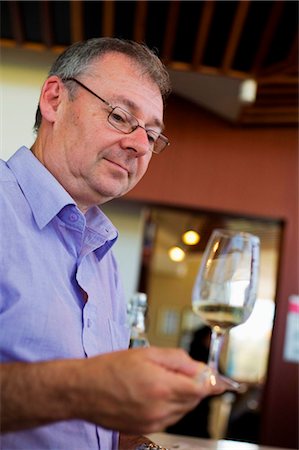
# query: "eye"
x,y
118,116
152,136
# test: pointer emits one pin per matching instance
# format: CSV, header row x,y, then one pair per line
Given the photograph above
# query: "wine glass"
x,y
225,289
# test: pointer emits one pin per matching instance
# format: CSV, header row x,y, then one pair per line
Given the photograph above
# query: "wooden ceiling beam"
x,y
16,22
267,36
170,31
76,22
140,21
278,71
293,53
108,18
46,20
234,37
203,32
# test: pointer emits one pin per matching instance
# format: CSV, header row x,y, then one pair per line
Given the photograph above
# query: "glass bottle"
x,y
137,308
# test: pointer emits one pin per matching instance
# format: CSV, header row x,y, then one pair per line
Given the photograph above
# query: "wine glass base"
x,y
215,379
231,384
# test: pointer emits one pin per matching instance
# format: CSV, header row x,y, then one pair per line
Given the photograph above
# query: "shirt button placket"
x,y
89,338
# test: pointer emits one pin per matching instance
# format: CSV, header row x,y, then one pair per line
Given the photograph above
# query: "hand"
x,y
142,390
135,391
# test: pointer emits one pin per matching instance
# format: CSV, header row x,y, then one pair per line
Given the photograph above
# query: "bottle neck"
x,y
138,331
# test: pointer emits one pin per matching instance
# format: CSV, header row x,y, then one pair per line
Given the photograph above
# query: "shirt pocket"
x,y
120,335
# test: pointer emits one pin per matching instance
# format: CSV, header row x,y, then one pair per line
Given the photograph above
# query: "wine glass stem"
x,y
215,347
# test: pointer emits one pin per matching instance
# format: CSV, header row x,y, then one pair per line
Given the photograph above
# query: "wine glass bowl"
x,y
226,285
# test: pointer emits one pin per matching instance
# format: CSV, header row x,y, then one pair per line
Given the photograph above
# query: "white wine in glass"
x,y
226,286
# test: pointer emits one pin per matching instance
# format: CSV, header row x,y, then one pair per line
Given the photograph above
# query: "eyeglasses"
x,y
125,122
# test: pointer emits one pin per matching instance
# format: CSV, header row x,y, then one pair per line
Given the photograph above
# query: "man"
x,y
67,380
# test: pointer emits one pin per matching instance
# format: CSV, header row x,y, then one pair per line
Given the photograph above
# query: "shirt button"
x,y
89,323
73,217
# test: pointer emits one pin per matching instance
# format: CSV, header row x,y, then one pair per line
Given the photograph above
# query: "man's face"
x,y
94,161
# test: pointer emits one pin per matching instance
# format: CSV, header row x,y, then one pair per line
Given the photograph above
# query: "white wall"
x,y
22,74
129,220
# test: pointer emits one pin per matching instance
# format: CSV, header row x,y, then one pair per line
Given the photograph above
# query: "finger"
x,y
174,359
214,383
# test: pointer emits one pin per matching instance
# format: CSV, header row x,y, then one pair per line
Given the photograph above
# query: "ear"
x,y
51,97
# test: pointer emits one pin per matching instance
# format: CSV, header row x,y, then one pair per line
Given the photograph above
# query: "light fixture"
x,y
176,253
248,90
191,237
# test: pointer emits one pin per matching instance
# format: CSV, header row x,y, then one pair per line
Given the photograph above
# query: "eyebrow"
x,y
134,108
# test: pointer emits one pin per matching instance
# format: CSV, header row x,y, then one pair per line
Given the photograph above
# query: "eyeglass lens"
x,y
124,121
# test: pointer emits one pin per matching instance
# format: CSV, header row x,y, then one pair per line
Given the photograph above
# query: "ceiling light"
x,y
176,253
248,90
191,237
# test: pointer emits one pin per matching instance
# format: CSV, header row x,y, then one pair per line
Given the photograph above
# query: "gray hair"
x,y
77,58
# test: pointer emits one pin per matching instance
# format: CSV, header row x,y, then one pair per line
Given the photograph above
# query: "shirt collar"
x,y
47,197
44,194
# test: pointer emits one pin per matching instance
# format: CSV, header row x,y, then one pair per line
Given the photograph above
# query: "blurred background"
x,y
233,163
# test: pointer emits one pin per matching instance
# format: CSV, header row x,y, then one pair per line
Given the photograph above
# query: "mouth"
x,y
118,166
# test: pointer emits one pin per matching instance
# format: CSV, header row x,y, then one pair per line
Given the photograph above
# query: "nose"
x,y
137,141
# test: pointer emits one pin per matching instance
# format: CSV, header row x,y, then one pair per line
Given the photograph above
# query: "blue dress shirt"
x,y
50,252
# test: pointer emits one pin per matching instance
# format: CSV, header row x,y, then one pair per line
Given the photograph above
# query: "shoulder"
x,y
8,185
11,196
6,174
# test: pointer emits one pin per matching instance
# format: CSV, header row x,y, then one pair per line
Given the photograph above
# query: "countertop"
x,y
176,442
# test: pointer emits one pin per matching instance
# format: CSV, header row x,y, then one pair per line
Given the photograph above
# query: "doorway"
x,y
168,272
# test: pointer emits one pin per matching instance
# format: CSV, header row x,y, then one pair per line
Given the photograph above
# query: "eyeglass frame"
x,y
160,136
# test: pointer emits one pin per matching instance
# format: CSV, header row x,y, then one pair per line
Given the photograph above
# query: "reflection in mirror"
x,y
169,269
